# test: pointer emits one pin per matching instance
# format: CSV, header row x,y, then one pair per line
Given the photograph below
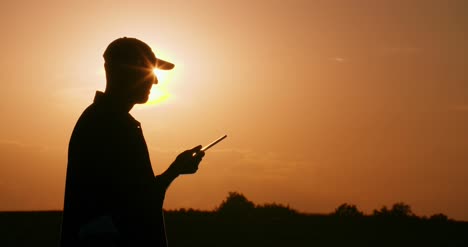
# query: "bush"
x,y
347,210
439,218
236,204
400,210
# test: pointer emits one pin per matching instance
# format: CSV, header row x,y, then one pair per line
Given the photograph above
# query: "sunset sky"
x,y
324,102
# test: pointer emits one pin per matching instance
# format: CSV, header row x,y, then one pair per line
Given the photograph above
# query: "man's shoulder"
x,y
92,116
100,118
93,119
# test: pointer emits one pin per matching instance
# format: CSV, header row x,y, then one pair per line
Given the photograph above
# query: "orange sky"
x,y
324,102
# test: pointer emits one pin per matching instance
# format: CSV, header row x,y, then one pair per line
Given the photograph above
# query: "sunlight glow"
x,y
159,92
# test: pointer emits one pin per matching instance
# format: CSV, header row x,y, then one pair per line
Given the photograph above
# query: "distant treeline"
x,y
236,204
240,222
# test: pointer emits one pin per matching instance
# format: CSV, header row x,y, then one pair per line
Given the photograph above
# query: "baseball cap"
x,y
132,51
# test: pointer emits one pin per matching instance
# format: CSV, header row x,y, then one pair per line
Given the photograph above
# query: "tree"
x,y
347,210
439,218
382,212
401,210
236,204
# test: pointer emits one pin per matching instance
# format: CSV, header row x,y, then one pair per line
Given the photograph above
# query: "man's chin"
x,y
142,100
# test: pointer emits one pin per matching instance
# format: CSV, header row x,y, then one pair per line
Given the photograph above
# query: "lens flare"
x,y
159,92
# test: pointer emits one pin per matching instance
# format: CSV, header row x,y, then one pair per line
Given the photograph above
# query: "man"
x,y
112,197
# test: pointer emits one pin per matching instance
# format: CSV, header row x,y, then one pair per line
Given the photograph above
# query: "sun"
x,y
159,92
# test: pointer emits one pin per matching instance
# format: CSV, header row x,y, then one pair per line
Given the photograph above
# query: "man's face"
x,y
134,81
140,88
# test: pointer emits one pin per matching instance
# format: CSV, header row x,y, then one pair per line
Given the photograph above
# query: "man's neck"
x,y
119,103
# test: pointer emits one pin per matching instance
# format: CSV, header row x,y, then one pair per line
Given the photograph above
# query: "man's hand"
x,y
187,161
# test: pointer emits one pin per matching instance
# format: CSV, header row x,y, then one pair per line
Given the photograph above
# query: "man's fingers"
x,y
197,148
200,154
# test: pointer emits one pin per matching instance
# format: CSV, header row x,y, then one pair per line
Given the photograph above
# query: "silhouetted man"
x,y
112,197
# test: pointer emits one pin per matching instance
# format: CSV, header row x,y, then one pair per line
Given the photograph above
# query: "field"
x,y
202,228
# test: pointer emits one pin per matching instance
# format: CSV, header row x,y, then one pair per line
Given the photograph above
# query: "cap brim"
x,y
163,65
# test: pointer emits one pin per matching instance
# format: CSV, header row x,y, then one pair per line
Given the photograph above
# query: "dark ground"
x,y
196,228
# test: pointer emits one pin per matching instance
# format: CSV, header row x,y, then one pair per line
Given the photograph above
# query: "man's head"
x,y
129,65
